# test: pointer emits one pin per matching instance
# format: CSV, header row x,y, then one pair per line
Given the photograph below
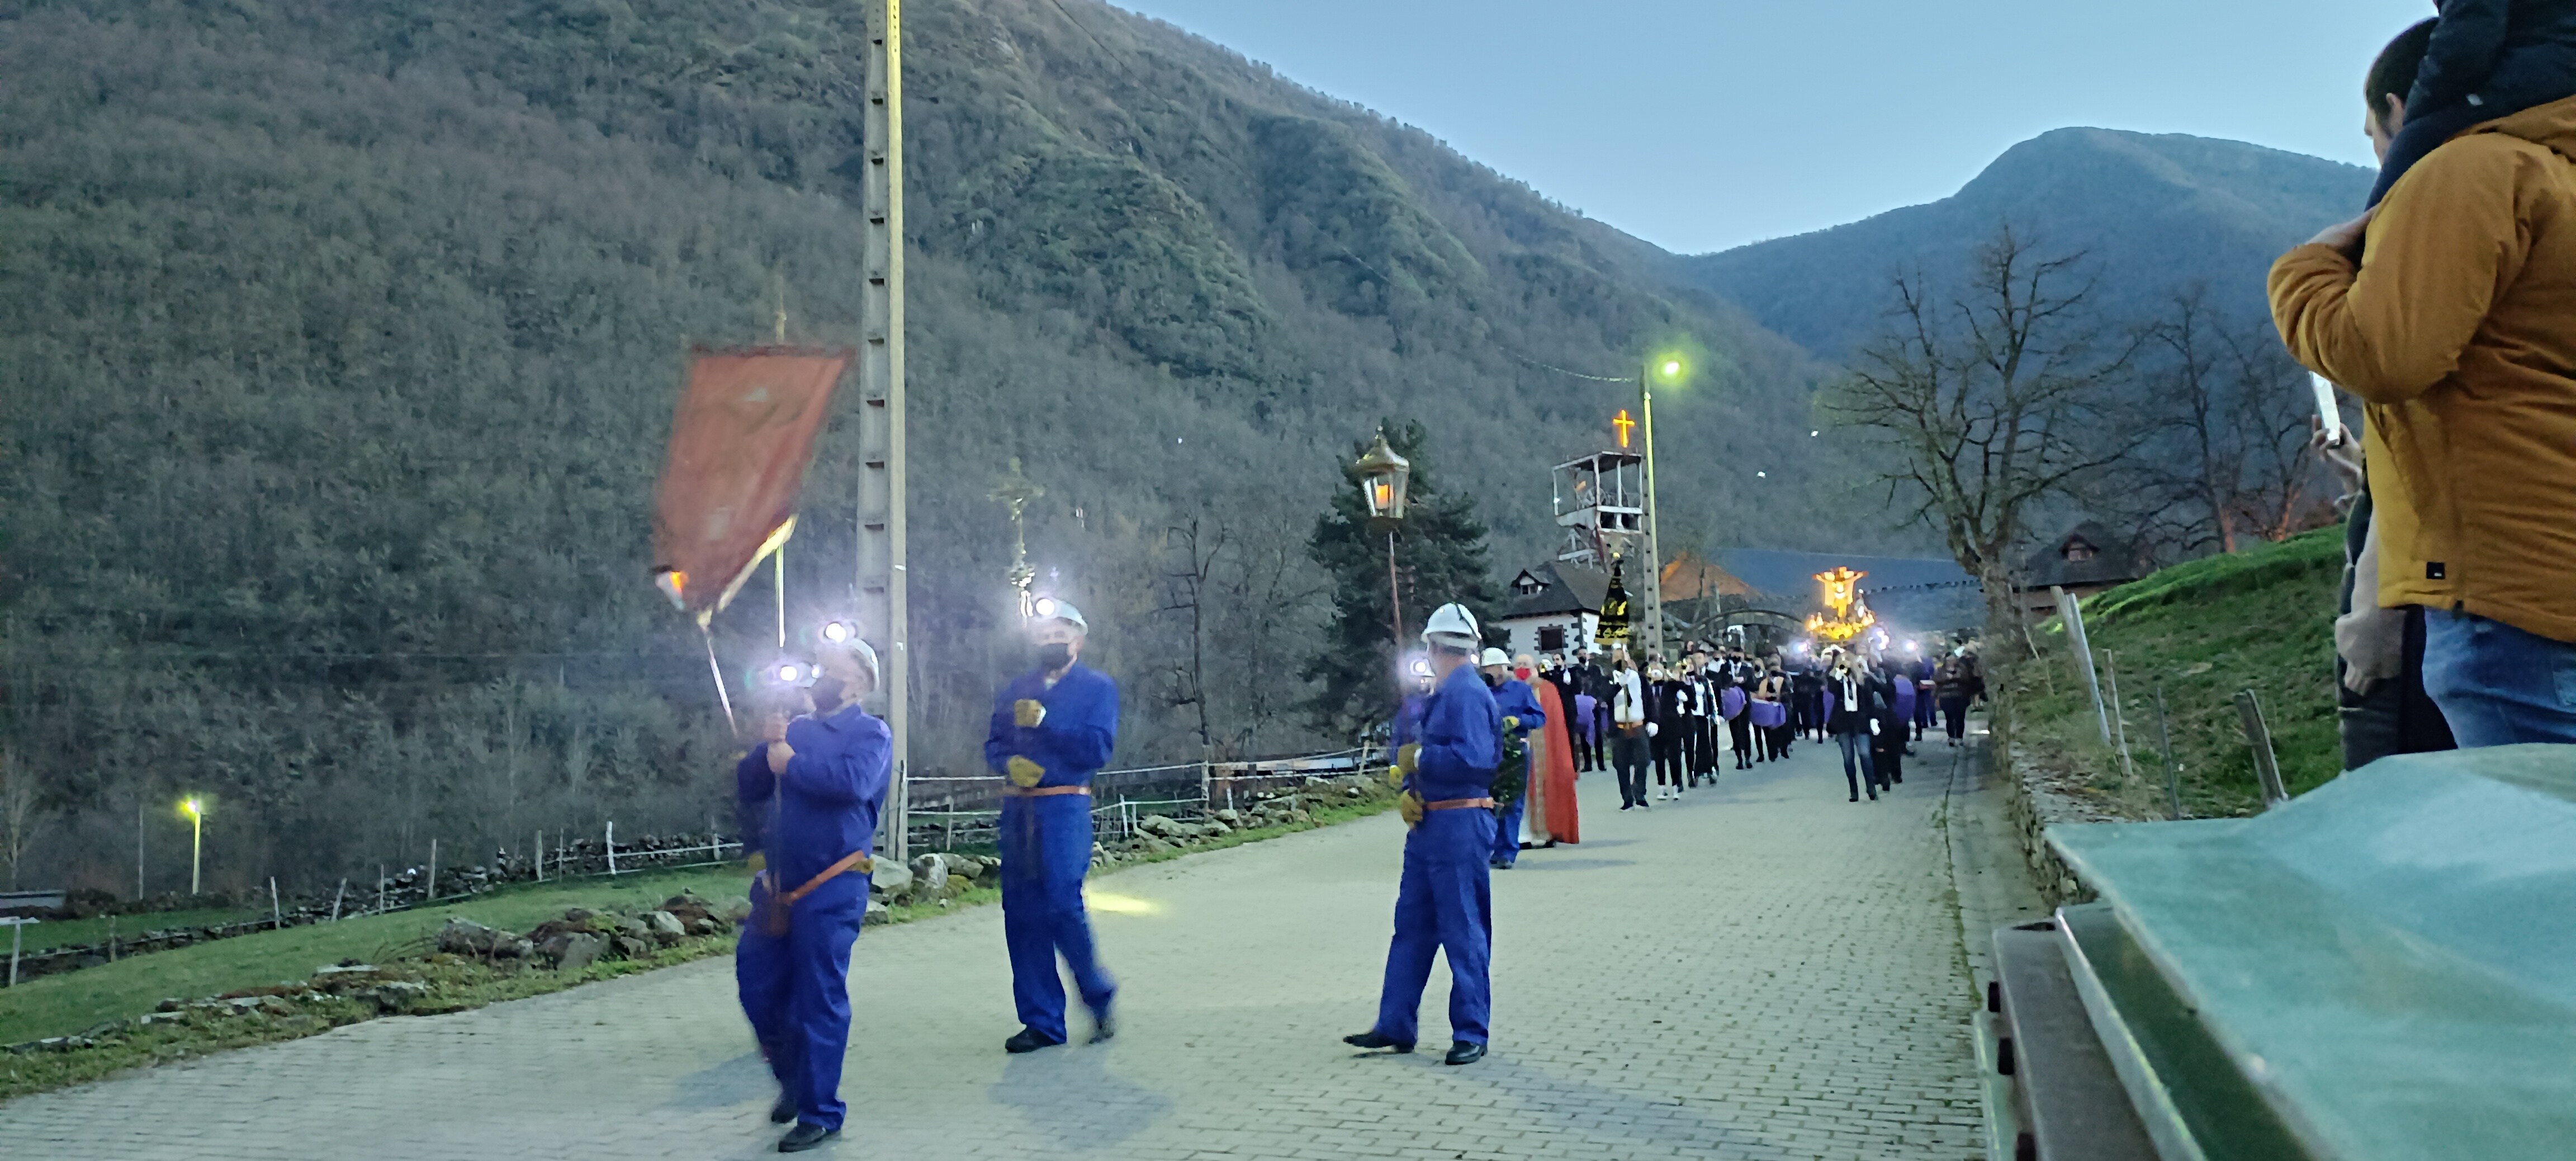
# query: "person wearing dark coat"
x,y
1959,685
2482,60
1595,679
1808,717
1854,722
1887,746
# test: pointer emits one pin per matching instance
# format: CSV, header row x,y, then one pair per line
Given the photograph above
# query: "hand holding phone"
x,y
2329,416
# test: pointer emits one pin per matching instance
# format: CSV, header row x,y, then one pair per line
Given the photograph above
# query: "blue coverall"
x,y
1445,902
1046,841
1515,699
795,987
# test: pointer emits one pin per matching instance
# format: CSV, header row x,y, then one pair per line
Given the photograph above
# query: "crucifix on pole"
x,y
1017,490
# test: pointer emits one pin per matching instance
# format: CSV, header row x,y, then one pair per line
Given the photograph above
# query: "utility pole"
x,y
1654,578
884,614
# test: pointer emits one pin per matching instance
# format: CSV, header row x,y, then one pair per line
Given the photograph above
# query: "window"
x,y
1527,585
1551,639
2077,550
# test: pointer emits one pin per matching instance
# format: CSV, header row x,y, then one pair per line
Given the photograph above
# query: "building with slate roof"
x,y
1553,608
2085,561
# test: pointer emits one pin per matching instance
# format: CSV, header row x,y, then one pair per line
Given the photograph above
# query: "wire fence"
x,y
407,889
947,814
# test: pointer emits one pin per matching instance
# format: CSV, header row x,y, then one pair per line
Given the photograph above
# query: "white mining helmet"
x,y
1493,657
1452,628
1051,609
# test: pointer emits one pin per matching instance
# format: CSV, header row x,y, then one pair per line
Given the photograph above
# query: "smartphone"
x,y
2327,412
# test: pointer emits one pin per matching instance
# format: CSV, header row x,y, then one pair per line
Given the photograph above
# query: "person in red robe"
x,y
1551,817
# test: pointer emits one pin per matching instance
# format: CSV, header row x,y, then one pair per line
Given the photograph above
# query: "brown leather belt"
x,y
1460,804
1042,791
855,861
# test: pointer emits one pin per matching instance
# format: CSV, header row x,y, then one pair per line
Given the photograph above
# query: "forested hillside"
x,y
2152,213
339,342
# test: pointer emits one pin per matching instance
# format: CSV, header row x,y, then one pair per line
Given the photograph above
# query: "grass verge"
x,y
2261,620
107,1000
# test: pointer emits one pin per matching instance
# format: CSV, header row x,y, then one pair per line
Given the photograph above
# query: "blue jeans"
x,y
2498,685
1868,774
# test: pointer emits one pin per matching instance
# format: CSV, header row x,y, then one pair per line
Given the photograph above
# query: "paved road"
x,y
1761,970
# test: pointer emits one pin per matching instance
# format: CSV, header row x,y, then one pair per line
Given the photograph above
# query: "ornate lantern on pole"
x,y
1383,477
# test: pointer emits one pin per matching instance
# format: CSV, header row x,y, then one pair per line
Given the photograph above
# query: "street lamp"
x,y
196,812
1383,477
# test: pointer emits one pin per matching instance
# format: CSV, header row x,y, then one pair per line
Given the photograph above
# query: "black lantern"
x,y
1382,476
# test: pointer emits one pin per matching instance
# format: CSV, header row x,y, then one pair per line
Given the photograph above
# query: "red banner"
x,y
739,448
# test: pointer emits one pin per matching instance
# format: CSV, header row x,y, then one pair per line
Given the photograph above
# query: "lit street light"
x,y
196,813
1384,478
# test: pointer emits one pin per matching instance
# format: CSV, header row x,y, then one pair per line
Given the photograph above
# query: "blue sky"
x,y
1703,124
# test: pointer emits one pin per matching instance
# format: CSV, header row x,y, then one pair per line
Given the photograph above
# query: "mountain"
x,y
340,341
2152,213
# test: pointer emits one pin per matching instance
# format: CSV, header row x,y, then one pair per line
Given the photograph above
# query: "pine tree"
x,y
1439,558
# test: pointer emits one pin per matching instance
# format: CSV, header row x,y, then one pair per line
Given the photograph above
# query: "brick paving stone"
x,y
1760,970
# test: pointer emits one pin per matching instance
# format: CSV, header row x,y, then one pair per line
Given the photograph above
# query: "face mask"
x,y
1523,674
827,692
1054,655
1491,681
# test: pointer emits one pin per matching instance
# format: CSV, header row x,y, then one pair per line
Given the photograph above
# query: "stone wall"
x,y
2034,806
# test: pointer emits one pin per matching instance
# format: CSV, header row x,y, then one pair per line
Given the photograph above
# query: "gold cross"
x,y
1623,423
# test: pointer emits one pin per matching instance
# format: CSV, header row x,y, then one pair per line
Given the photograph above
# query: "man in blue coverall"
x,y
808,798
1521,714
1445,901
1053,728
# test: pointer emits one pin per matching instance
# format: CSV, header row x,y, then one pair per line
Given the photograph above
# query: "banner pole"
x,y
717,671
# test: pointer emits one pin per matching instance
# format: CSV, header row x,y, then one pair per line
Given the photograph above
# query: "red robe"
x,y
1551,808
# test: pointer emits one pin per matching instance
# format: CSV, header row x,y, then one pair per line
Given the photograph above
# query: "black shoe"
x,y
1464,1052
1104,1028
784,1111
1029,1040
1533,846
1627,806
1501,865
1372,1039
1856,798
805,1136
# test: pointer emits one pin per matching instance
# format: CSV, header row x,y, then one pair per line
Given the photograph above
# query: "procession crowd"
x,y
1665,727
1486,747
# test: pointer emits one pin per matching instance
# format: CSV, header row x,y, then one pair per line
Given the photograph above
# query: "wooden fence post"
x,y
2164,741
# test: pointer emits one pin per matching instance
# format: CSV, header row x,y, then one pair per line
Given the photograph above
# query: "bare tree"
x,y
1277,594
2226,411
1187,593
18,814
1994,400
